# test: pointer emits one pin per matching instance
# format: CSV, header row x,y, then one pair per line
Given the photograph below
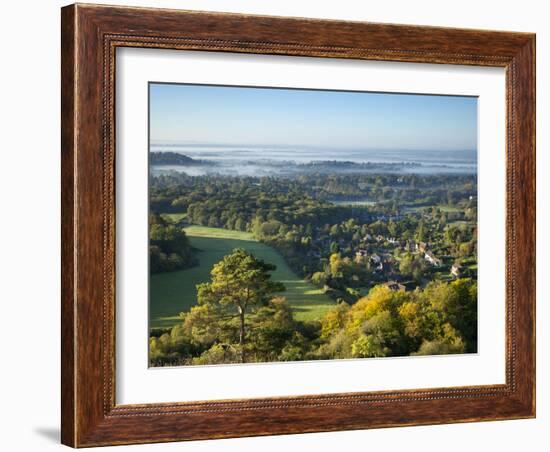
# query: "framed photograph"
x,y
281,225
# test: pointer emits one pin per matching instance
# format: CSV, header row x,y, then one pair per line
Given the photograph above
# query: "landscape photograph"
x,y
301,225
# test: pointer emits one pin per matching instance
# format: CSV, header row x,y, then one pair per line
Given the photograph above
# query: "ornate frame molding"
x,y
90,37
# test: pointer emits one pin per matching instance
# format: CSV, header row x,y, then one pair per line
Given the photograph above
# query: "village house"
x,y
361,256
394,285
377,261
432,259
456,270
421,247
361,253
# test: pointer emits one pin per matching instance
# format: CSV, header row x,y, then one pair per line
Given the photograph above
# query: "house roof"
x,y
394,285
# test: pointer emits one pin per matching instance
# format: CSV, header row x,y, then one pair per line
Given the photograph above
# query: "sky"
x,y
203,114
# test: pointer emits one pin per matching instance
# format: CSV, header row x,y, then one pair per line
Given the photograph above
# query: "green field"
x,y
353,203
448,209
174,217
172,293
443,207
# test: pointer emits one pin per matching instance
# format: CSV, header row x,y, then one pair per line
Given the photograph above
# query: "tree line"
x,y
319,239
242,317
169,247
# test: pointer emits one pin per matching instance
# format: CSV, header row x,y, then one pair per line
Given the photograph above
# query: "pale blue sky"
x,y
288,117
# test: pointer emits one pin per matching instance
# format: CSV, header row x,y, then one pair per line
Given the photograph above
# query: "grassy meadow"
x,y
442,207
353,203
174,292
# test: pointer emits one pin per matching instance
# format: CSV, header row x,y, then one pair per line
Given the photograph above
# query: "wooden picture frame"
x,y
90,36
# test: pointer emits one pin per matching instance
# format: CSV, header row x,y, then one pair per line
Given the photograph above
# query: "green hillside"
x,y
172,293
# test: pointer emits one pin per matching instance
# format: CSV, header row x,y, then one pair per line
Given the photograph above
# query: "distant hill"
x,y
174,158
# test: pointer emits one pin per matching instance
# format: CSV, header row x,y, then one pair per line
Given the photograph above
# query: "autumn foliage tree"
x,y
441,319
